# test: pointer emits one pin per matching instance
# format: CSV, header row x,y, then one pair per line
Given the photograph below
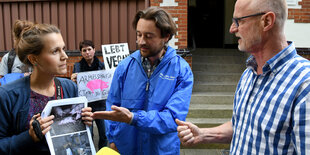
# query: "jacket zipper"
x,y
147,85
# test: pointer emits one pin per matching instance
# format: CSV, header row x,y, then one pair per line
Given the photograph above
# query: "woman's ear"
x,y
32,59
268,20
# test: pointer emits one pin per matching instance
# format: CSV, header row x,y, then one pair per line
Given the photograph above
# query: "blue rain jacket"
x,y
156,102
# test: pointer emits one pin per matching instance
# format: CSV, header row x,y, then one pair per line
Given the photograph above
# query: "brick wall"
x,y
178,12
301,15
70,63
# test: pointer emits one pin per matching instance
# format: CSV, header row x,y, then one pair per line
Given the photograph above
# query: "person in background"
x,y
272,99
10,63
150,89
42,47
90,62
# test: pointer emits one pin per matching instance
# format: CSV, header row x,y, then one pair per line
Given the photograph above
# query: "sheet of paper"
x,y
113,54
68,134
95,85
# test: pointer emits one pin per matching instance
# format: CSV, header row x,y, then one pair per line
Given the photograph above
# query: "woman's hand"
x,y
73,77
45,125
86,116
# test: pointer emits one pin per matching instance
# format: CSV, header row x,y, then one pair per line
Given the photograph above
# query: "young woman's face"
x,y
88,53
53,59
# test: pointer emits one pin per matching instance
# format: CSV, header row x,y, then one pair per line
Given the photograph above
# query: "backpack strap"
x,y
58,89
11,58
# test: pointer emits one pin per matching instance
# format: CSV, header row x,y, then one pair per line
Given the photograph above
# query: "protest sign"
x,y
94,85
113,54
68,133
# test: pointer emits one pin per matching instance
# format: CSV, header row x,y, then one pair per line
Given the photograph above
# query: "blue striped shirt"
x,y
271,113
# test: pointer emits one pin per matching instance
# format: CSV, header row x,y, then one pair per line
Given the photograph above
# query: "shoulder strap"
x,y
59,91
11,59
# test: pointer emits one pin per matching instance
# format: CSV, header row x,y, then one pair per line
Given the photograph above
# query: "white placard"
x,y
94,85
113,54
68,133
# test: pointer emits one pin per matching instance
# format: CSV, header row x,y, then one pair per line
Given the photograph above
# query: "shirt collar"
x,y
275,63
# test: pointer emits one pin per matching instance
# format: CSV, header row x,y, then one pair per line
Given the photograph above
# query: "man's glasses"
x,y
236,20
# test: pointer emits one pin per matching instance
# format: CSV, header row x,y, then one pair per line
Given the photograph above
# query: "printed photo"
x,y
68,134
67,119
73,144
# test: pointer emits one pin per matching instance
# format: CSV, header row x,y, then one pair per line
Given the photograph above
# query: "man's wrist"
x,y
132,116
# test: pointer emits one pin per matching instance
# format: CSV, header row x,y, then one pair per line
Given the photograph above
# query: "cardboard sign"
x,y
113,54
95,85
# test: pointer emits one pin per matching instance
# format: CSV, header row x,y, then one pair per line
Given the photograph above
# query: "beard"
x,y
250,45
149,52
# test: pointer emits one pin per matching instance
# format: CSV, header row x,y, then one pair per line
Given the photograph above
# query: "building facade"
x,y
200,23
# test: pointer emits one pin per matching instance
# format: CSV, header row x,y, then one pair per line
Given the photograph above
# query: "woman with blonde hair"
x,y
42,47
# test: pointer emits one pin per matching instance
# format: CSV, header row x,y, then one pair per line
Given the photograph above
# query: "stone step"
x,y
218,59
210,107
217,98
190,151
218,68
216,77
214,86
208,146
218,52
208,122
209,111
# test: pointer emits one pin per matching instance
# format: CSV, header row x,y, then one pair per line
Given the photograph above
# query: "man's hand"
x,y
113,146
118,114
188,133
86,116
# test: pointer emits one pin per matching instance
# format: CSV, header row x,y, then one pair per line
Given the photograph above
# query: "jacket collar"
x,y
170,53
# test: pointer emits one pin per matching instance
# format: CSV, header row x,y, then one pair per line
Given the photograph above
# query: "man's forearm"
x,y
219,134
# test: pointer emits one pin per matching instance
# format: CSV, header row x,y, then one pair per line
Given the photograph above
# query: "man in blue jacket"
x,y
150,89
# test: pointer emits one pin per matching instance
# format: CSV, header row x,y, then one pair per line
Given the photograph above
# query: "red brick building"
x,y
201,23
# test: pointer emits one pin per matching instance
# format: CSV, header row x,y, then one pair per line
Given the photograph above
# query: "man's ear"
x,y
167,38
268,20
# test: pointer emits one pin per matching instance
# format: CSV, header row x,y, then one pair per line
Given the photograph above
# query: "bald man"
x,y
271,111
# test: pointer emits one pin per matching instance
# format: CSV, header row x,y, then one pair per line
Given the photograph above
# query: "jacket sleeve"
x,y
162,122
114,98
4,65
76,67
69,87
10,141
